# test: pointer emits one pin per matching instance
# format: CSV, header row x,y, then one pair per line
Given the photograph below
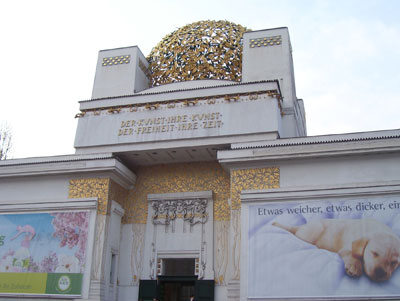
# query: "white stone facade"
x,y
134,143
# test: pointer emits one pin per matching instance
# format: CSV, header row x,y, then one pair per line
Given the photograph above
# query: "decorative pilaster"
x,y
247,179
236,239
138,231
105,190
221,252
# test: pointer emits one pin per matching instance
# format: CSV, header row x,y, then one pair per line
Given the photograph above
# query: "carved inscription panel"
x,y
171,123
156,123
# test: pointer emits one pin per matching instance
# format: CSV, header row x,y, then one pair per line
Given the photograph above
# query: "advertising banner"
x,y
43,253
324,249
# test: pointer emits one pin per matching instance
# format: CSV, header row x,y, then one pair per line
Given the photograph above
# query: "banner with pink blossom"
x,y
43,253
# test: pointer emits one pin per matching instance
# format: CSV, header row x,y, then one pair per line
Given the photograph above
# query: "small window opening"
x,y
112,269
179,267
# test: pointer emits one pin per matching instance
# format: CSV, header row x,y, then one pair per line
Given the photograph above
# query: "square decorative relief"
x,y
116,60
265,42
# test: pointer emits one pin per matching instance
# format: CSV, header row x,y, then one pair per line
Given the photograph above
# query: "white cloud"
x,y
348,76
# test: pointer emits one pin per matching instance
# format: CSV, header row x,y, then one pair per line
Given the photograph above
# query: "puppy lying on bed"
x,y
362,244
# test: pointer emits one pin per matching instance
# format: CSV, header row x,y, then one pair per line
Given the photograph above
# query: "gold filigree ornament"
x,y
91,187
250,179
201,50
173,178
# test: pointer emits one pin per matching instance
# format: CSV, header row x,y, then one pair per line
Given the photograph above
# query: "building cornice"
x,y
181,94
55,159
313,147
69,164
321,139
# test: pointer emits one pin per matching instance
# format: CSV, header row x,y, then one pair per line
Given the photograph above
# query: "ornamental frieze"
x,y
193,211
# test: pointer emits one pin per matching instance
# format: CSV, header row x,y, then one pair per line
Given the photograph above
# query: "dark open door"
x,y
147,290
204,290
176,288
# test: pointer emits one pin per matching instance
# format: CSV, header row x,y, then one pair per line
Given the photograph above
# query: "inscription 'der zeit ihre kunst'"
x,y
170,124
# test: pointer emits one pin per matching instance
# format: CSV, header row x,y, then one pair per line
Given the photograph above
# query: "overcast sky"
x,y
346,58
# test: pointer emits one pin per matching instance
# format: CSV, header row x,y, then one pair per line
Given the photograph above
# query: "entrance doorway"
x,y
177,282
176,288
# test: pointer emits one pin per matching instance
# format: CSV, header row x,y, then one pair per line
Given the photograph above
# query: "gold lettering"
x,y
206,116
170,123
212,124
125,132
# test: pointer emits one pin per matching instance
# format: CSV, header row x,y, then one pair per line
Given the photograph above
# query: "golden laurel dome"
x,y
201,50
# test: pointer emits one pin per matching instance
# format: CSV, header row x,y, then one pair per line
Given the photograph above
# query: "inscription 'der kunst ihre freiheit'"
x,y
170,124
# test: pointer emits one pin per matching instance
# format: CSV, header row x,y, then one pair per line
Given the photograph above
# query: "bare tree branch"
x,y
5,141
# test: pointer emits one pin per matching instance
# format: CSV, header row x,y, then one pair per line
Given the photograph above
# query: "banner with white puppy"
x,y
323,249
43,253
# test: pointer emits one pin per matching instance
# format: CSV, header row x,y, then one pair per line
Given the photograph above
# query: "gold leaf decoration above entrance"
x,y
172,178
